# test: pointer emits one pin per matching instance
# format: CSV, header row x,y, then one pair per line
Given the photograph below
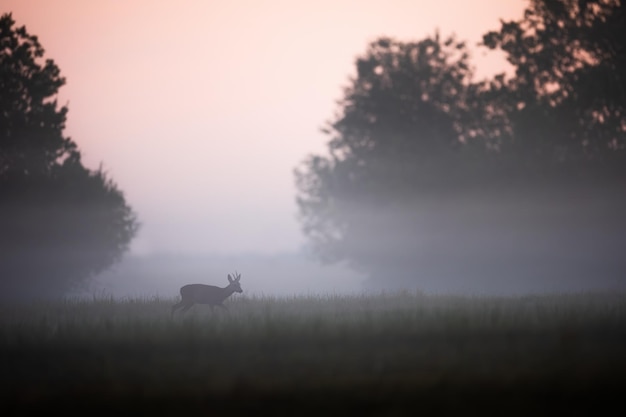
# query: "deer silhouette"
x,y
207,294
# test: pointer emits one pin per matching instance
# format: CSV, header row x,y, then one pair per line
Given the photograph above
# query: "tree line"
x,y
435,178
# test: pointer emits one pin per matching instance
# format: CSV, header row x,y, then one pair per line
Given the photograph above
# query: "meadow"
x,y
385,354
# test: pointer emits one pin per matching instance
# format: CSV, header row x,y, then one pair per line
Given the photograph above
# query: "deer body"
x,y
207,294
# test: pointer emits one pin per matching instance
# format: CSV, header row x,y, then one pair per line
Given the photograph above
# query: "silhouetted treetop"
x,y
60,223
567,98
402,90
407,117
31,128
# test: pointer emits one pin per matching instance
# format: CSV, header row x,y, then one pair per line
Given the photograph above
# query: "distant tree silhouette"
x,y
60,223
432,176
566,103
407,129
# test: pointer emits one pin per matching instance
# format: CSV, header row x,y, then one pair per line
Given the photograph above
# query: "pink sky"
x,y
200,110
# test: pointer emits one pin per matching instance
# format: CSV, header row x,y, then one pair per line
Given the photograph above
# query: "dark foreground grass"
x,y
394,354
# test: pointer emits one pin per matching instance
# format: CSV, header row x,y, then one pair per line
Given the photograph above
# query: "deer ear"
x,y
230,279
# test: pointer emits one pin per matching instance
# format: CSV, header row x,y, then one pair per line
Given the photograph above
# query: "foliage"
x,y
567,100
431,173
405,126
61,223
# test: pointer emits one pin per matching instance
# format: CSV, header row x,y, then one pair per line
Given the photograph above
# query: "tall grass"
x,y
387,344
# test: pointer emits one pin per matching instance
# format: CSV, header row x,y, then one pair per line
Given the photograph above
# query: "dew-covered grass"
x,y
332,354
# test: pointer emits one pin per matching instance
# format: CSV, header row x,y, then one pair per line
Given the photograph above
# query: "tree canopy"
x,y
566,100
60,222
432,175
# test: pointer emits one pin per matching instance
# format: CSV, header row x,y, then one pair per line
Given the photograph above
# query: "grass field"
x,y
388,354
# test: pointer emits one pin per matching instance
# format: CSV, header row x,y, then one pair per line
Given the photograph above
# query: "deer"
x,y
207,294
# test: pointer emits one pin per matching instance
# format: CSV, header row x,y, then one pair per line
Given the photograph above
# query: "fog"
x,y
162,275
204,151
204,141
504,244
332,207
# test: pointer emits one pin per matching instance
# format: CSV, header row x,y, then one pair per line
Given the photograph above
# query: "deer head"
x,y
234,282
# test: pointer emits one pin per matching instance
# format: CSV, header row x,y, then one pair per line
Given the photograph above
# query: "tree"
x,y
435,180
60,222
570,61
406,131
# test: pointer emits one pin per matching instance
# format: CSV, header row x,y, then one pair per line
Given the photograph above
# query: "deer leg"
x,y
187,307
176,306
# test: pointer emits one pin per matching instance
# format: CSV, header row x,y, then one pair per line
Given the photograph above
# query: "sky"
x,y
201,110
